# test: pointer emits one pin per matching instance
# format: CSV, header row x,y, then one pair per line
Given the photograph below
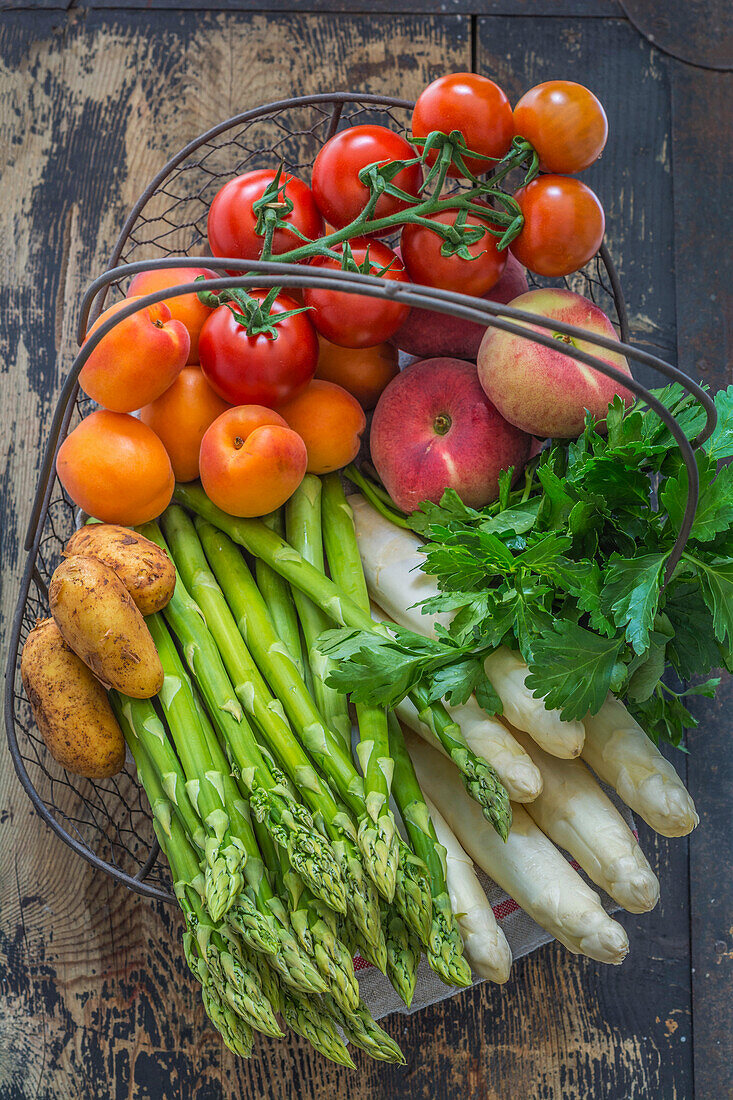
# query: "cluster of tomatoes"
x,y
309,362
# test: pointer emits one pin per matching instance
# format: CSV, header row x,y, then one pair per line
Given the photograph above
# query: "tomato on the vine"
x,y
340,194
565,123
263,369
563,225
472,104
231,222
420,249
358,320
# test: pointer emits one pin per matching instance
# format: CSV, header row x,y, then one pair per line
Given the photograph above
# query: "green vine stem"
x,y
503,220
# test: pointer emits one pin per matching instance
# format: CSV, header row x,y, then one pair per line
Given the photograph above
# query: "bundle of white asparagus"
x,y
556,799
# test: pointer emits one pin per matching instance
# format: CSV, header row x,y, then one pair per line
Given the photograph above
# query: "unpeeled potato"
x,y
98,618
146,571
70,706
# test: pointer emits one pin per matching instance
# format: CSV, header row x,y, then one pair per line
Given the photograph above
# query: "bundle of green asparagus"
x,y
284,847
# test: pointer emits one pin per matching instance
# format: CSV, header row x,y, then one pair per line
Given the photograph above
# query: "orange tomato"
x,y
364,372
186,308
329,421
116,469
180,417
137,360
250,461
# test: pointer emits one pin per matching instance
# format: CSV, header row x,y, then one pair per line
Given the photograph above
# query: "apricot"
x,y
251,462
116,469
330,421
180,417
185,308
364,372
137,360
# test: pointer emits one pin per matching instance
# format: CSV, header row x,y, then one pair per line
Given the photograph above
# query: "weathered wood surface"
x,y
95,1001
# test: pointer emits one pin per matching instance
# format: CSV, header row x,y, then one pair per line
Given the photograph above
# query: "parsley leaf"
x,y
720,444
631,591
716,579
573,669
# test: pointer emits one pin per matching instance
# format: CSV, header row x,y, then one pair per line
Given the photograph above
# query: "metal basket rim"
x,y
65,407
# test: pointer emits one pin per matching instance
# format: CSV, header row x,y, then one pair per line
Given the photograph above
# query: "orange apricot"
x,y
329,421
250,461
185,308
116,469
137,360
180,417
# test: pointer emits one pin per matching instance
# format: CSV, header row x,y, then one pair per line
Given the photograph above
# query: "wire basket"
x,y
109,822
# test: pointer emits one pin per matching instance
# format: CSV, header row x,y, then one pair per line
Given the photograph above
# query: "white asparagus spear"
x,y
391,558
578,816
485,945
622,755
528,865
488,737
508,672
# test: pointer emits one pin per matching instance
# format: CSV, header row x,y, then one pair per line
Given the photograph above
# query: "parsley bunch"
x,y
569,568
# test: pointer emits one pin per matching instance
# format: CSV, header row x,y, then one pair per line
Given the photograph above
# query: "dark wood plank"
x,y
647,1003
702,152
700,33
95,999
558,8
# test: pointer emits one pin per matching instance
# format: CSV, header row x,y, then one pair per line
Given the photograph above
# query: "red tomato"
x,y
358,320
231,223
421,254
340,194
475,106
565,123
563,225
258,370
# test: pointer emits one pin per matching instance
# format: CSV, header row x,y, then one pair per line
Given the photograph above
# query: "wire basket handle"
x,y
503,317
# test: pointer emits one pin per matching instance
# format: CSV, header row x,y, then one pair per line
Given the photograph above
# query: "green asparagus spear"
x,y
271,801
380,836
146,737
445,948
234,1031
279,599
481,780
303,527
403,953
412,898
307,1017
363,1031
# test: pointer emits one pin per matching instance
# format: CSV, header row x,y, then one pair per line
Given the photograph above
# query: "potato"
x,y
98,618
70,706
146,571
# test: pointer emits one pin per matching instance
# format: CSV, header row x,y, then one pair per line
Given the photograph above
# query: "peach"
x,y
434,428
329,421
251,462
137,360
544,391
426,333
186,308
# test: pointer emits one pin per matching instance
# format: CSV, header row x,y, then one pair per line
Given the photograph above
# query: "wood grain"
x,y
95,998
702,124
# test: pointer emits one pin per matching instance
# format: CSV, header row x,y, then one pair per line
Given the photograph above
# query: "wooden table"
x,y
95,96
